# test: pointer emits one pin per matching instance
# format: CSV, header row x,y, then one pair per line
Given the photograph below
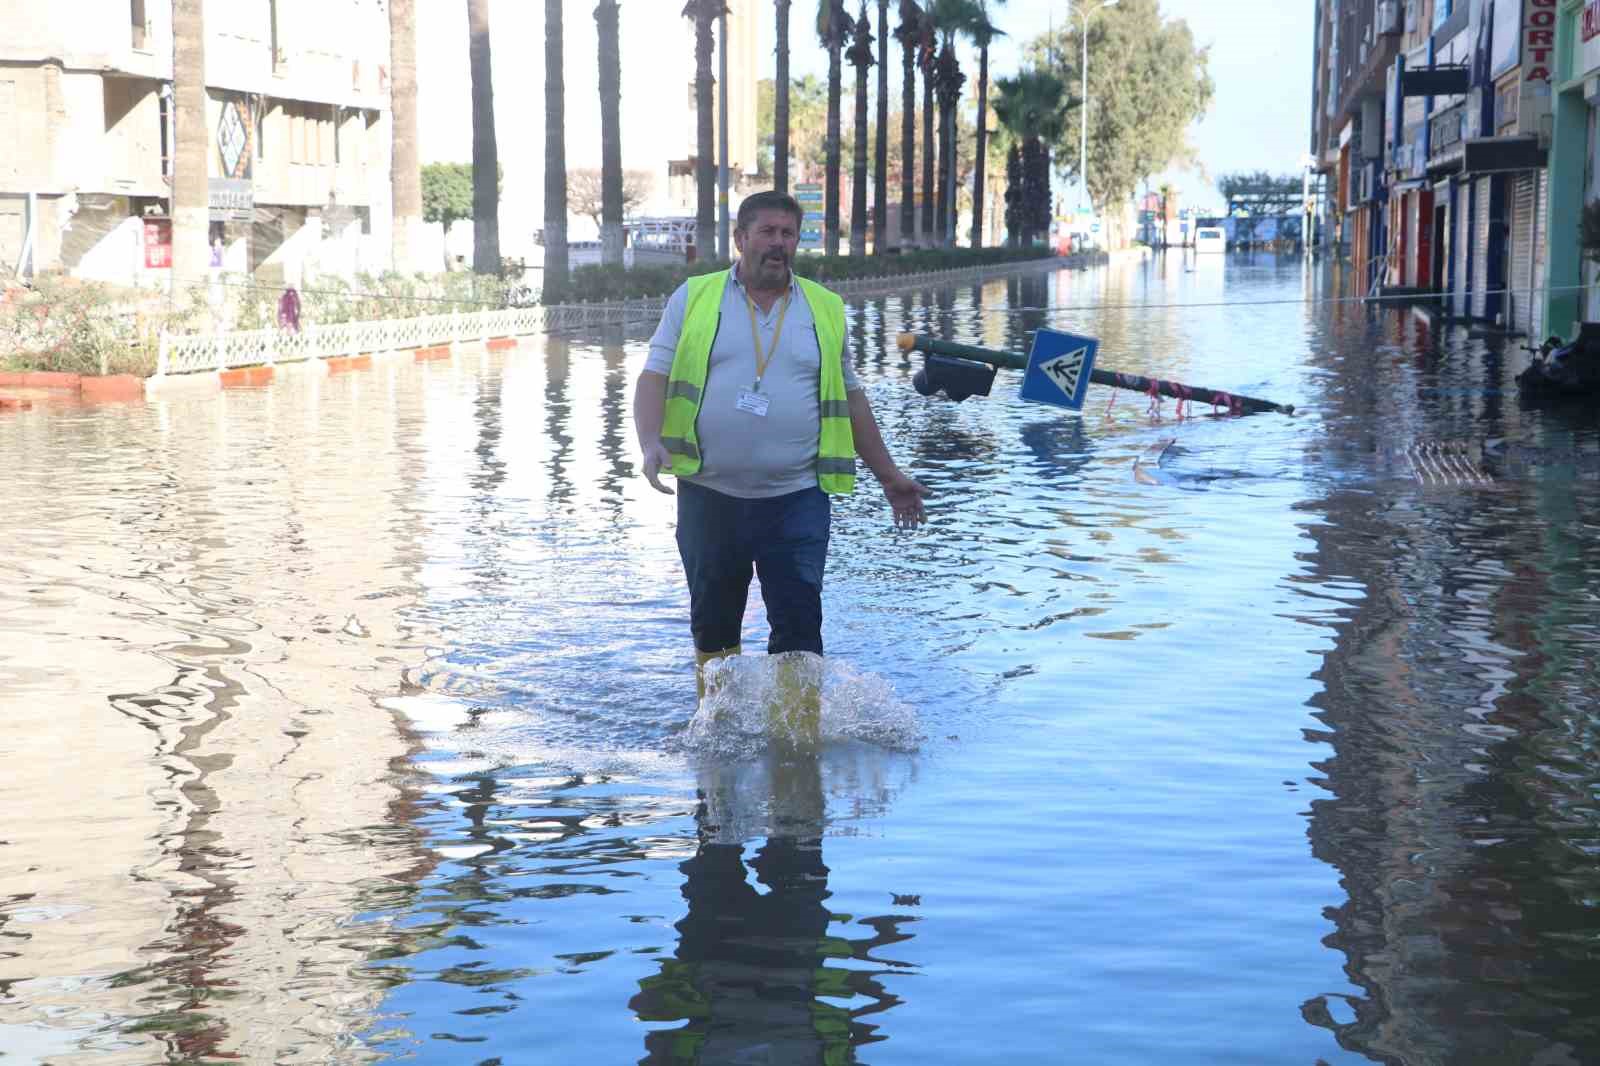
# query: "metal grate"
x,y
1447,463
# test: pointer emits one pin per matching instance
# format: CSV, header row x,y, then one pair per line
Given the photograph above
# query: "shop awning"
x,y
1434,81
1486,155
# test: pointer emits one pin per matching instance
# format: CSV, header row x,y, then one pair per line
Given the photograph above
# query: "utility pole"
x,y
722,142
1083,104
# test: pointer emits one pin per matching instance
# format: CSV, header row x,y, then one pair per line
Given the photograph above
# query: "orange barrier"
x,y
246,377
345,364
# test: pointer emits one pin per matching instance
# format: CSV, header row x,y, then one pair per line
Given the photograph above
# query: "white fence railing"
x,y
189,353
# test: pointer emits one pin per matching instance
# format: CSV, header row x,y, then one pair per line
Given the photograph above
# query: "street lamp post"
x,y
1083,102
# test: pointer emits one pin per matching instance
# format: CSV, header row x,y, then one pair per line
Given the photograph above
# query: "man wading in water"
x,y
748,400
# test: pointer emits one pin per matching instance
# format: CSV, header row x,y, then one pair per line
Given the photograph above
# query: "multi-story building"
x,y
299,136
1440,161
1355,45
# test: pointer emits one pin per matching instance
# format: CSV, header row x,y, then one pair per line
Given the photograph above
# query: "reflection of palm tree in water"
x,y
750,965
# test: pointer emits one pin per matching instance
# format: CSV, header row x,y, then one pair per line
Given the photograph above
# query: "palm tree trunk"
x,y
610,52
880,168
908,126
191,212
926,232
950,80
861,58
941,225
405,174
556,276
485,154
980,160
780,104
705,172
830,221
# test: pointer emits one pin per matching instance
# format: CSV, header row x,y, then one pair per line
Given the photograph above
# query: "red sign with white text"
x,y
1539,40
157,243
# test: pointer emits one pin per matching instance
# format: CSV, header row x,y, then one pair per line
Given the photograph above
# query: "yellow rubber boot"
x,y
795,716
701,659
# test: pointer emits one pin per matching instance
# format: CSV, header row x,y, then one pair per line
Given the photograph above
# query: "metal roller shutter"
x,y
1523,190
1463,249
1540,225
1480,246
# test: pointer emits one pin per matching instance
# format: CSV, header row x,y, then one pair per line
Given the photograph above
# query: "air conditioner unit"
x,y
1388,20
1591,90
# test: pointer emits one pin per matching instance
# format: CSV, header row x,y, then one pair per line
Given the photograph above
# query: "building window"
x,y
140,26
165,111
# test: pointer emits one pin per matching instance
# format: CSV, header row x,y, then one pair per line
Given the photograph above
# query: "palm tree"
x,y
950,17
860,56
880,166
705,14
485,161
927,57
405,175
1033,107
610,51
191,212
556,276
833,29
780,104
982,32
909,32
948,84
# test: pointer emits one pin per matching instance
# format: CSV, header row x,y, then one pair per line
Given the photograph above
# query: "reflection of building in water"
x,y
750,979
223,796
1460,788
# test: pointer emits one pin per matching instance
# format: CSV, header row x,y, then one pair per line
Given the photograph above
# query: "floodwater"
x,y
352,719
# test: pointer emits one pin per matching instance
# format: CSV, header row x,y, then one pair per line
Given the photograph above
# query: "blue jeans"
x,y
784,539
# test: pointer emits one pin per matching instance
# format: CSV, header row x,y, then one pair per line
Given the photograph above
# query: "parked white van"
x,y
1210,239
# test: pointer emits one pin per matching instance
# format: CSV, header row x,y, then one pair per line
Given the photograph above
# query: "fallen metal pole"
x,y
1233,402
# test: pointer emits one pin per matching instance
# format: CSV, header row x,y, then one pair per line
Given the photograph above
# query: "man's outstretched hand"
x,y
656,457
905,496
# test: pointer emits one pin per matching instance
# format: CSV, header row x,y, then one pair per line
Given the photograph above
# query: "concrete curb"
x,y
59,385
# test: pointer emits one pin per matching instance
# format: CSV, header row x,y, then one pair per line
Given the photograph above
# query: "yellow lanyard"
x,y
764,359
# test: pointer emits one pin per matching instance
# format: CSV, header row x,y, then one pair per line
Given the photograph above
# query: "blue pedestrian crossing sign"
x,y
1059,367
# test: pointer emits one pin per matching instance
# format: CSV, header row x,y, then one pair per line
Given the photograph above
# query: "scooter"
x,y
1563,370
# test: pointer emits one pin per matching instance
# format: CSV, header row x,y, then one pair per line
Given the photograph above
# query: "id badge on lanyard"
x,y
752,400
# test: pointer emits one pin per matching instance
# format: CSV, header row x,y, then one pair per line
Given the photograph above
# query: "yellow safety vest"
x,y
836,448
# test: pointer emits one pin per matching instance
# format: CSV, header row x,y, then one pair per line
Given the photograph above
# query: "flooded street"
x,y
349,719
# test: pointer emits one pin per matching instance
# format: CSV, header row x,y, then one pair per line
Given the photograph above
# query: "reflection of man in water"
x,y
749,964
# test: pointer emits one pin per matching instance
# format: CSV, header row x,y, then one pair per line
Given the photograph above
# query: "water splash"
x,y
755,702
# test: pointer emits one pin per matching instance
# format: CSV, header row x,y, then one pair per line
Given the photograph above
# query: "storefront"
x,y
1574,149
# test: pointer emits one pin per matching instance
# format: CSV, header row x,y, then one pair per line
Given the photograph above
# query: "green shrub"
x,y
610,283
80,327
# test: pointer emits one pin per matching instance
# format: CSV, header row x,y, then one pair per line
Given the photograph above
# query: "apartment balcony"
x,y
1371,76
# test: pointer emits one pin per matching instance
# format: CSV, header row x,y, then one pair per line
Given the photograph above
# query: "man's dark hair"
x,y
769,200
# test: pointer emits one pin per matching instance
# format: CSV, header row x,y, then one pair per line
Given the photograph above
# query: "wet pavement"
x,y
352,718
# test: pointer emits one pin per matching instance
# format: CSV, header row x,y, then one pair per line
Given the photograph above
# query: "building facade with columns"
x,y
299,137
